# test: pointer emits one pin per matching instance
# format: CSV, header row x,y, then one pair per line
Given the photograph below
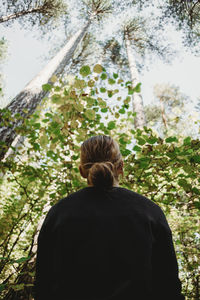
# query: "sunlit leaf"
x,y
47,87
111,125
137,89
90,114
111,81
78,106
98,69
103,76
171,139
85,71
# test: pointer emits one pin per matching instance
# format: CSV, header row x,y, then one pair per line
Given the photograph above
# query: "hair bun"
x,y
101,174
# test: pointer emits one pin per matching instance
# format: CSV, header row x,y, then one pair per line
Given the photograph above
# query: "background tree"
x,y
169,113
185,15
141,41
42,12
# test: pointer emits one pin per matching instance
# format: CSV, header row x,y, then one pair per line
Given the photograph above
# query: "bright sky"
x,y
26,59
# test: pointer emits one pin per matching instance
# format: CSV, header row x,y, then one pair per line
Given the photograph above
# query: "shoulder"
x,y
67,202
143,204
133,196
62,209
150,209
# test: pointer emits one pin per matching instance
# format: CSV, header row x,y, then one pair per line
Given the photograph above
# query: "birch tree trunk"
x,y
32,94
137,100
20,13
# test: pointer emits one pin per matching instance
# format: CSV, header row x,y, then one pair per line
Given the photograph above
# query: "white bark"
x,y
19,14
32,94
137,100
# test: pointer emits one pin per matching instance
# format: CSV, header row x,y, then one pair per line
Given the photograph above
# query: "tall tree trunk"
x,y
20,13
32,94
138,107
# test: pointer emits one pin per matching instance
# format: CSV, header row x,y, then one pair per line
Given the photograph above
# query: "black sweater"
x,y
106,245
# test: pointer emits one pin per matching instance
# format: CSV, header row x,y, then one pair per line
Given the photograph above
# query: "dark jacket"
x,y
106,245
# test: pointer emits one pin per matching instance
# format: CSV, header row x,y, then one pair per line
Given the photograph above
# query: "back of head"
x,y
100,159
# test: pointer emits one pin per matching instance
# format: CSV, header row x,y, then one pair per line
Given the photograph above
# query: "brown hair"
x,y
100,159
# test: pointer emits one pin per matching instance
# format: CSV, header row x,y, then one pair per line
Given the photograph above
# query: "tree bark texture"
x,y
33,93
137,100
20,13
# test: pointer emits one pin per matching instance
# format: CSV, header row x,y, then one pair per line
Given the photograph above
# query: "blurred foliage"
x,y
45,170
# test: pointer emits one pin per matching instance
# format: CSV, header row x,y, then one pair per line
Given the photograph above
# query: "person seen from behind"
x,y
105,242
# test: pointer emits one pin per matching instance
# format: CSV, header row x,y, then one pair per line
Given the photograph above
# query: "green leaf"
x,y
18,287
187,140
90,114
122,111
36,125
79,84
128,83
45,120
195,158
111,81
103,76
137,148
78,106
46,87
124,141
171,139
137,89
141,141
44,140
48,115
22,259
90,101
111,125
55,98
75,157
197,204
125,152
104,110
102,90
91,83
102,103
85,71
115,75
130,91
196,191
152,140
36,146
110,93
183,183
